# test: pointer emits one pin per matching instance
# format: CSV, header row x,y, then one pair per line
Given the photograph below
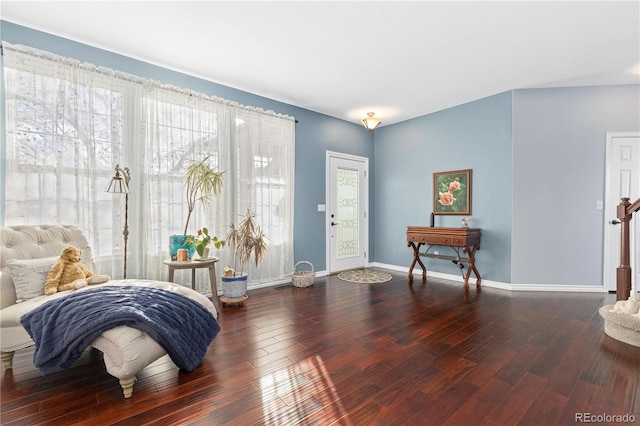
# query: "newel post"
x,y
623,273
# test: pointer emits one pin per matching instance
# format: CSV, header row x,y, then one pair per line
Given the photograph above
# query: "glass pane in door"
x,y
347,236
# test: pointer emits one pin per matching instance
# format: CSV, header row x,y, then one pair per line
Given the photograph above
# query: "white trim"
x,y
558,287
266,284
610,212
542,288
327,176
606,250
498,284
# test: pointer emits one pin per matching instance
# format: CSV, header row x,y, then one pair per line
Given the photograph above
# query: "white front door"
x,y
346,216
622,179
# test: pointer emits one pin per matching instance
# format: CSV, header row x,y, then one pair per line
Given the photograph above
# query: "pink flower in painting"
x,y
446,198
454,186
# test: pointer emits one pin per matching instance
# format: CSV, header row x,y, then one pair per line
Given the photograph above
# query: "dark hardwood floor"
x,y
358,354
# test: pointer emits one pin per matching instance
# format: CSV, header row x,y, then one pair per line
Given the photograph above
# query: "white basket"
x,y
303,278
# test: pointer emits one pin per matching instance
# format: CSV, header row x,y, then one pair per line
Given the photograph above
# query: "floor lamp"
x,y
120,185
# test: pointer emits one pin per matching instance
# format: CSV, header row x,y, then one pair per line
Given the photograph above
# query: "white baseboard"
x,y
458,278
501,285
268,283
286,280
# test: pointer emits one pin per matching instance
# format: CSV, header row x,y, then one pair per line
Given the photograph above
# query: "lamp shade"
x,y
118,184
370,122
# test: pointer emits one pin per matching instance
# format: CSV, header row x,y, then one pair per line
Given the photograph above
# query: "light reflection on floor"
x,y
294,393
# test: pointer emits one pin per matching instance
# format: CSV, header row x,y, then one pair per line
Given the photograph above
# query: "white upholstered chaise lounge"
x,y
126,350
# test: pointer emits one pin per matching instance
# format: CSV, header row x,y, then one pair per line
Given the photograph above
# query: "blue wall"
x,y
473,136
558,175
538,159
315,133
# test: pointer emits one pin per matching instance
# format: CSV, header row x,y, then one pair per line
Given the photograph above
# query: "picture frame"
x,y
452,192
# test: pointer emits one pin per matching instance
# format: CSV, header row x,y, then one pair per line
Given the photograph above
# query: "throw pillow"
x,y
29,276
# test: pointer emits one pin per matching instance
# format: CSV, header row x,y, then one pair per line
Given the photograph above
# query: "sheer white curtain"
x,y
64,135
68,125
179,129
264,179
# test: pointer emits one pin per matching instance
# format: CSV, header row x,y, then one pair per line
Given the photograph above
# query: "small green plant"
x,y
203,240
245,240
201,183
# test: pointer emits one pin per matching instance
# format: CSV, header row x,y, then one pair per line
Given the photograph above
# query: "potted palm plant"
x,y
201,184
245,240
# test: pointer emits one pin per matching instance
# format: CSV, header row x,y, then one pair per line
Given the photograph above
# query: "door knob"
x,y
334,223
615,222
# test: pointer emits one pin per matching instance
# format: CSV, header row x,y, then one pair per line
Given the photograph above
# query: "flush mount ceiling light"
x,y
370,122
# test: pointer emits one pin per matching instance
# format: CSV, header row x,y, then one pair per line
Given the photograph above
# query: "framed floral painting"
x,y
452,192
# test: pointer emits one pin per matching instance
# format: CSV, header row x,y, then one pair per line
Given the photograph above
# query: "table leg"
x,y
471,267
472,264
424,268
416,258
193,278
466,276
170,278
214,286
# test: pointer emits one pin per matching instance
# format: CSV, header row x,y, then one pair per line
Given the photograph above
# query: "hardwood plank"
x,y
546,409
515,404
475,410
574,357
518,365
618,394
547,362
497,357
585,398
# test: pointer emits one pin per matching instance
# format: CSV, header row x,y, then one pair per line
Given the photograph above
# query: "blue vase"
x,y
177,242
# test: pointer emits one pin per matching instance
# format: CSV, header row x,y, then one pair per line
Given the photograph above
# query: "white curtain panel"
x,y
68,125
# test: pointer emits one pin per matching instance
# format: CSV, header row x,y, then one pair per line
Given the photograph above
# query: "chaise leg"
x,y
7,359
127,386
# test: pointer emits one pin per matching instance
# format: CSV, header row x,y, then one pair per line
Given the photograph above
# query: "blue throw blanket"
x,y
63,328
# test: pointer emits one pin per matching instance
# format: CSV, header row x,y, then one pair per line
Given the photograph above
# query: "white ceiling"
x,y
399,59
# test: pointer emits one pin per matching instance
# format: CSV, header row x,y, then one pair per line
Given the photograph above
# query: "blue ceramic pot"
x,y
234,287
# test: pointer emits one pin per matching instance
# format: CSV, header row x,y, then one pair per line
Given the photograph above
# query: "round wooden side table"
x,y
209,263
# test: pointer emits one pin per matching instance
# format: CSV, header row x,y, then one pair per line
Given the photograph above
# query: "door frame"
x,y
609,214
328,194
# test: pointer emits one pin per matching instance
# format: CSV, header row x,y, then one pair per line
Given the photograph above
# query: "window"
x,y
68,125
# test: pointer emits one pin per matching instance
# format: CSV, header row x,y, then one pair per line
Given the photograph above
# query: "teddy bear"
x,y
69,274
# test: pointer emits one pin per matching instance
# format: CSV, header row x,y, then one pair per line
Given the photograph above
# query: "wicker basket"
x,y
303,278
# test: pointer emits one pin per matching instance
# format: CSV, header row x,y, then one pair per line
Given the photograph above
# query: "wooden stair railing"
x,y
623,273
